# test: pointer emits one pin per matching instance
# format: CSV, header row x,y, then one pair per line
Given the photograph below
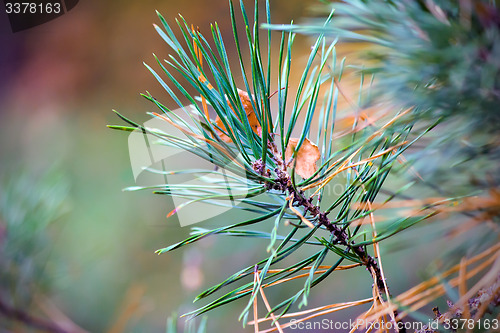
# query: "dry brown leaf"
x,y
307,156
252,118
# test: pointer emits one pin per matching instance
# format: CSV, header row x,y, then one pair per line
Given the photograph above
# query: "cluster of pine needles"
x,y
284,144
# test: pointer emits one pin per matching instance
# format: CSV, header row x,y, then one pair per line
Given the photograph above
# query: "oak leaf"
x,y
307,156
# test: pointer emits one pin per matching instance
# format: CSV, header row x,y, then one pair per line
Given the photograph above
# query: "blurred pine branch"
x,y
29,205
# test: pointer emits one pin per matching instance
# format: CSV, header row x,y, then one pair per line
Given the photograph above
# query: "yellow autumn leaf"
x,y
307,156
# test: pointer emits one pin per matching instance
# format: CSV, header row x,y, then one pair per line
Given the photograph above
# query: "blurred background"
x,y
74,249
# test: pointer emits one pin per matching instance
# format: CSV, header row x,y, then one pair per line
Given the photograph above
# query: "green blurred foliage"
x,y
29,208
441,57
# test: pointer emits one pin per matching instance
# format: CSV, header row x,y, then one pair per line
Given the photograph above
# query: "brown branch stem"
x,y
283,183
28,319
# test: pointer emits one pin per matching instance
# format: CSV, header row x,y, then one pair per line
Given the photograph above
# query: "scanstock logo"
x,y
155,163
26,14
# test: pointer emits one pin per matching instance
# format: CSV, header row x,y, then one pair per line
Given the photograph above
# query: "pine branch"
x,y
241,139
284,183
28,319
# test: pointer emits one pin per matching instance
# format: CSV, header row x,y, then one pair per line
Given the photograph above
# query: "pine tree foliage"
x,y
309,237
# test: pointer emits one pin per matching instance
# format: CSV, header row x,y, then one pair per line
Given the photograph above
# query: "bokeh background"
x,y
86,258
